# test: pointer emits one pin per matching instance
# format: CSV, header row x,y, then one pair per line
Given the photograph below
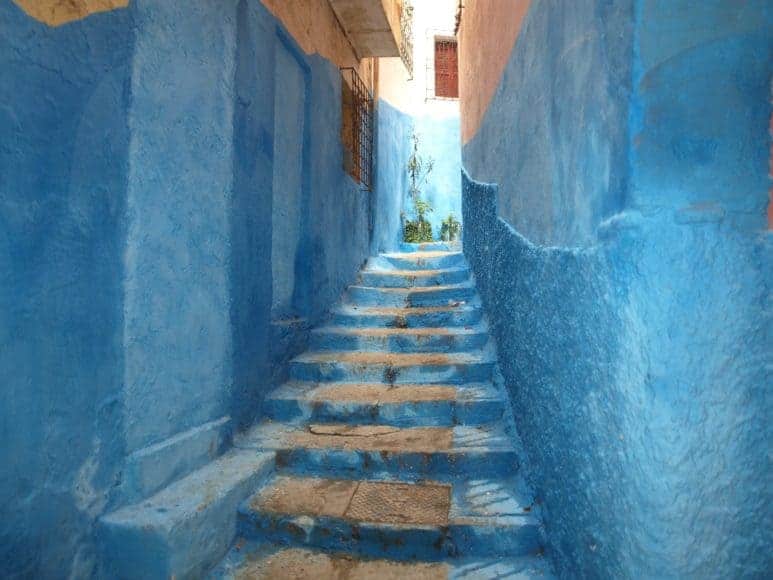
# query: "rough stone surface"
x,y
400,503
365,501
623,258
296,564
385,393
572,66
374,437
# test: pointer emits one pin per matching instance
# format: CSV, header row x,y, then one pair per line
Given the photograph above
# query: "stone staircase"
x,y
389,453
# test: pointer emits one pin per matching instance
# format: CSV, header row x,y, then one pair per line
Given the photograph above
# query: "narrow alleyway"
x,y
393,440
385,289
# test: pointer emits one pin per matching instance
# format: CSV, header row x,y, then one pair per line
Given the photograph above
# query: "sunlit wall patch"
x,y
58,12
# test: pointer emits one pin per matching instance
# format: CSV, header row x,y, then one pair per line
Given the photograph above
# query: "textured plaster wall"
x,y
136,191
314,26
638,361
64,96
390,196
499,22
58,12
564,97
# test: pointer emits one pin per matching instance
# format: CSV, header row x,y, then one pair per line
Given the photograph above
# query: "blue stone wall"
x,y
393,141
560,139
64,96
441,140
635,345
137,175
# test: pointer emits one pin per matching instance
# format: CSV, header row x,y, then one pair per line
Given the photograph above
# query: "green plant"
x,y
449,228
419,169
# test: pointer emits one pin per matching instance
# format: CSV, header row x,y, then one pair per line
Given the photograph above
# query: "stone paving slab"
x,y
363,501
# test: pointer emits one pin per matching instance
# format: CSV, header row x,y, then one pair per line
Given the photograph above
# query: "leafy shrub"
x,y
450,228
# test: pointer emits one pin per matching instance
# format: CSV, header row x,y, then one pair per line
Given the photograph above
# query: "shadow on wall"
x,y
136,204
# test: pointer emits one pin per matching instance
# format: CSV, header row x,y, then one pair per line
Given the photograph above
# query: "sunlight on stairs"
x,y
394,444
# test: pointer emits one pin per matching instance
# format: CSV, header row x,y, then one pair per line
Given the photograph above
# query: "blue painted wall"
x,y
439,140
634,336
393,141
136,191
64,95
572,69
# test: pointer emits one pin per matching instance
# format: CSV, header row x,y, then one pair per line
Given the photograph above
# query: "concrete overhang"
x,y
372,26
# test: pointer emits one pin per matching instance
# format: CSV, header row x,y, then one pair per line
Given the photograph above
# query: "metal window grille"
x,y
357,127
406,39
446,68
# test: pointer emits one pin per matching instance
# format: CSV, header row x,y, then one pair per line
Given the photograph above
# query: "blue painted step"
x,y
262,560
425,339
386,519
380,404
350,315
449,295
399,368
352,450
419,261
413,278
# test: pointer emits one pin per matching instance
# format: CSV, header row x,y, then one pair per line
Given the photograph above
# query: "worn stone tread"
x,y
421,255
416,290
302,564
394,331
398,310
378,502
393,359
424,273
380,393
382,438
254,562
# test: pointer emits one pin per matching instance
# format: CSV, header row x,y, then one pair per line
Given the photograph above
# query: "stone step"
x,y
392,278
425,339
419,260
377,403
430,247
185,529
450,295
344,450
258,561
468,314
385,519
392,368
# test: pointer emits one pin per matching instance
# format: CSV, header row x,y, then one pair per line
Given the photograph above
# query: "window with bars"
x,y
446,68
357,127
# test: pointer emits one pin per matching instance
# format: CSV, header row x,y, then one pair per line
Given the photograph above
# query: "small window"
x,y
446,68
357,127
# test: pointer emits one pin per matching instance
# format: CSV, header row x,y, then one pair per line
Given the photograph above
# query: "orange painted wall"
x,y
315,27
489,29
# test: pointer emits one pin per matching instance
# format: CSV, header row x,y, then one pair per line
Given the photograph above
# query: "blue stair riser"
x,y
403,414
429,247
396,542
433,263
407,465
390,280
322,340
443,296
373,373
453,318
